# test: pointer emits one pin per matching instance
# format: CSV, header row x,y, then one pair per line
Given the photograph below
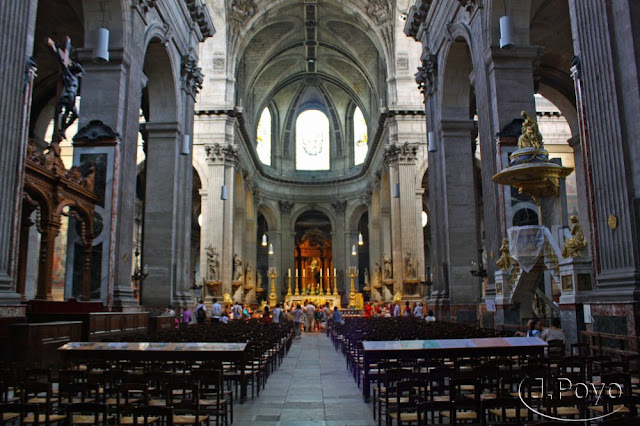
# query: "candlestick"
x,y
296,272
303,273
289,272
320,273
327,272
334,272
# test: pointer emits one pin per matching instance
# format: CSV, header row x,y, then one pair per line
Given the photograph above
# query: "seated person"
x,y
554,332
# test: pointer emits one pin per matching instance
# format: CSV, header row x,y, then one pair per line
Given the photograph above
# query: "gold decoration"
x,y
612,221
530,137
273,298
353,273
228,301
574,245
567,283
504,262
397,297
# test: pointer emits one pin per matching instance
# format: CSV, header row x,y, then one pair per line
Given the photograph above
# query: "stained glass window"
x,y
263,135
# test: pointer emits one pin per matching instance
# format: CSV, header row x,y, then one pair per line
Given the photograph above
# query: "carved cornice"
x,y
95,132
397,153
339,206
200,16
285,206
427,74
241,12
416,16
379,11
144,5
367,196
221,153
470,5
192,76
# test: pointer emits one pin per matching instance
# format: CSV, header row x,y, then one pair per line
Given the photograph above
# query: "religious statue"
x,y
237,268
397,298
71,74
388,268
377,273
530,137
411,266
213,264
505,259
248,273
574,245
258,280
228,301
366,277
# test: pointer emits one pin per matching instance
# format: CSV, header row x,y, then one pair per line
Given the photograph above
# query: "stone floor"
x,y
311,387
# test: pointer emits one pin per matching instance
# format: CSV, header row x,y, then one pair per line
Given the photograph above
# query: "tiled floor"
x,y
311,387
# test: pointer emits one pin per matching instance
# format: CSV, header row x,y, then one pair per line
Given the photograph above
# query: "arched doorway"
x,y
313,252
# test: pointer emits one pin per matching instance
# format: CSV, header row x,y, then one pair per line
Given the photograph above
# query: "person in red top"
x,y
368,310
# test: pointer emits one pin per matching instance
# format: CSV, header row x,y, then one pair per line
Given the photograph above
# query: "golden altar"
x,y
318,300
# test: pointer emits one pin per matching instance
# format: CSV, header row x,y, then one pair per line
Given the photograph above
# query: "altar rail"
x,y
99,326
614,345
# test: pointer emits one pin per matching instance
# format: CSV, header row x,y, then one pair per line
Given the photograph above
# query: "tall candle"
x,y
296,272
334,272
320,272
289,272
327,272
303,273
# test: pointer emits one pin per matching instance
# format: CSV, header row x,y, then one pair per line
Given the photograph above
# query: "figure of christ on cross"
x,y
67,89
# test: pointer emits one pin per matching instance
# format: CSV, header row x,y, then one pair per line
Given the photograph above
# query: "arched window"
x,y
312,141
360,137
263,135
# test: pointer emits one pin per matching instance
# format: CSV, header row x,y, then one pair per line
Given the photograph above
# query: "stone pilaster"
x,y
607,98
462,229
15,25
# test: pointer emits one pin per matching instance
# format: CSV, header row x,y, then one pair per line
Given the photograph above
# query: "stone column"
x,y
217,214
341,253
287,244
50,231
607,98
160,239
462,234
16,18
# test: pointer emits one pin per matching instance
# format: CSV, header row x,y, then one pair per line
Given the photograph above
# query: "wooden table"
x,y
446,348
151,351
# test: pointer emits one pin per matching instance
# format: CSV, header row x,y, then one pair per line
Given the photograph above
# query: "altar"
x,y
317,300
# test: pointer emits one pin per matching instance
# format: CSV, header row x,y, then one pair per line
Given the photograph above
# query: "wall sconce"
x,y
432,143
507,37
264,240
360,240
270,248
396,190
225,193
186,145
101,51
353,250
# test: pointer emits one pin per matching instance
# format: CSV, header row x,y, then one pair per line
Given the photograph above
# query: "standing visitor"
x,y
297,321
216,311
407,309
368,310
186,316
310,311
337,316
236,311
418,312
396,309
266,316
276,314
201,312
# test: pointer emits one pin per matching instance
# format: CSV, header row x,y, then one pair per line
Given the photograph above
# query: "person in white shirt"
x,y
275,317
216,311
236,311
396,310
430,317
224,319
418,311
310,312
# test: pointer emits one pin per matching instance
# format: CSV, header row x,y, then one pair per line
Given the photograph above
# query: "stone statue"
x,y
377,273
259,280
505,259
248,273
411,266
237,268
213,264
530,137
574,245
388,268
71,74
366,277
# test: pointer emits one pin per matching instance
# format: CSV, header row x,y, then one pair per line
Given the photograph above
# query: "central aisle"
x,y
311,387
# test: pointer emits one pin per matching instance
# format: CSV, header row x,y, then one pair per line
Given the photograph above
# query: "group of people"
x,y
314,319
535,329
380,309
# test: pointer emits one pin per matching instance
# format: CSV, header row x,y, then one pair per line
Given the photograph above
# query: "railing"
x,y
614,345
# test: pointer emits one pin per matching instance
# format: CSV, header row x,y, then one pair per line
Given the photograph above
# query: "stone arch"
x,y
270,215
162,100
302,208
456,87
355,216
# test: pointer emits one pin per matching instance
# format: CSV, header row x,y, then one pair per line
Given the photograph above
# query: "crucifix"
x,y
67,89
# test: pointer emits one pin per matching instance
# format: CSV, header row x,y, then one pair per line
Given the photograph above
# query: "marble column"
x,y
462,233
160,238
607,97
16,19
341,254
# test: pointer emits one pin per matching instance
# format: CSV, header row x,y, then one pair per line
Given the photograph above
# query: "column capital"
x,y
400,153
220,153
512,58
458,126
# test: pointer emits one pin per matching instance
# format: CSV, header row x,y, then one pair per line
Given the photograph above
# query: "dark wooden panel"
x,y
37,344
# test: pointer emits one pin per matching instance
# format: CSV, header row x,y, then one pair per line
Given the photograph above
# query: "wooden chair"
x,y
408,394
88,413
391,379
149,415
429,410
16,412
185,400
40,393
213,397
504,411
